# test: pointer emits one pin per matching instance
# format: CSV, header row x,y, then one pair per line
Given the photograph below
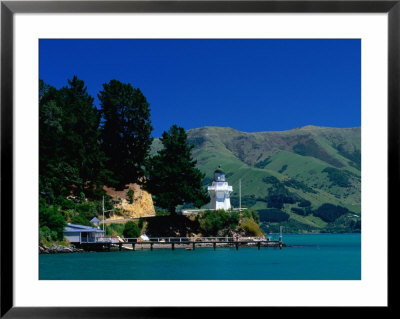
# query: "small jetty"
x,y
188,243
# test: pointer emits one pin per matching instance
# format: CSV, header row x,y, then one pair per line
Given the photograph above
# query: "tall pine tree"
x,y
125,132
173,178
70,153
51,153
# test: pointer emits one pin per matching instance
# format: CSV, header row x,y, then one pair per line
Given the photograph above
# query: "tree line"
x,y
83,147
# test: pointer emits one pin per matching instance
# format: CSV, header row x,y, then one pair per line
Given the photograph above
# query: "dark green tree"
x,y
173,178
131,230
82,136
70,157
50,217
51,153
125,131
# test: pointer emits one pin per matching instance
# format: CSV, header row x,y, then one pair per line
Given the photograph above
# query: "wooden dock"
x,y
189,243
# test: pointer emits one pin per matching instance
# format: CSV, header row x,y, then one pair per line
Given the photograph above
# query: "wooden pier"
x,y
189,243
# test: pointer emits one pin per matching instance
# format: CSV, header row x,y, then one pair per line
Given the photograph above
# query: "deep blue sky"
x,y
250,85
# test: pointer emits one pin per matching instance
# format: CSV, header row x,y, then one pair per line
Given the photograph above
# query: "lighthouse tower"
x,y
220,191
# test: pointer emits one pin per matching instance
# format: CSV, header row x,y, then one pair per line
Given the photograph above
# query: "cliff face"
x,y
141,206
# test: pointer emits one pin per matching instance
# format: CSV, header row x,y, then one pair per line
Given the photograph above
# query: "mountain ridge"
x,y
320,165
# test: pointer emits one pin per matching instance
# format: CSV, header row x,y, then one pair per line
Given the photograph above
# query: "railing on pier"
x,y
183,241
190,239
105,240
115,240
198,211
88,240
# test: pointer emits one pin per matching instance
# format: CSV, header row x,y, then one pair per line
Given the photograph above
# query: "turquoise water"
x,y
313,257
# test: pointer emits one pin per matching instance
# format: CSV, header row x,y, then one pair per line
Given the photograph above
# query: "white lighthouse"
x,y
220,191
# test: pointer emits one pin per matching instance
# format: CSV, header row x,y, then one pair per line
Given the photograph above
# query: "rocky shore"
x,y
57,249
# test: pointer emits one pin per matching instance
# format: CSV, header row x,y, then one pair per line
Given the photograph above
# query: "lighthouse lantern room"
x,y
220,191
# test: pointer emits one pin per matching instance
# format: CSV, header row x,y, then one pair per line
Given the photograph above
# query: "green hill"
x,y
295,171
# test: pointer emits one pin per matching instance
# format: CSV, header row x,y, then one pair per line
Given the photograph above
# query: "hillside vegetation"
x,y
87,154
307,179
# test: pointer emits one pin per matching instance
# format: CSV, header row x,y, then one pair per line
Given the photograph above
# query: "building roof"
x,y
81,228
95,220
219,170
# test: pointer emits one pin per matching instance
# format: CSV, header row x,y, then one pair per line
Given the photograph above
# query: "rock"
x,y
54,249
142,205
43,250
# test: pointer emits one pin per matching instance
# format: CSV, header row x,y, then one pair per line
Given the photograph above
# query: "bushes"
x,y
270,180
115,229
329,212
337,176
263,163
130,196
280,195
131,230
248,213
51,218
304,203
46,234
140,222
283,168
64,203
234,219
251,228
354,157
299,211
272,215
311,148
213,221
80,220
355,226
299,185
247,201
87,210
162,212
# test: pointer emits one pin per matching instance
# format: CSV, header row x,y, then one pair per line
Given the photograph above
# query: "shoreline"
x,y
57,249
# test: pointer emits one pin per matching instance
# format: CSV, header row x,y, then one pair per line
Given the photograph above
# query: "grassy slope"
x,y
304,151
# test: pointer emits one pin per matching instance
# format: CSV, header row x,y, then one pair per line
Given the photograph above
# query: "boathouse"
x,y
82,234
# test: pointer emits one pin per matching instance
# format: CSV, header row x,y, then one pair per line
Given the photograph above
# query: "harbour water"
x,y
308,257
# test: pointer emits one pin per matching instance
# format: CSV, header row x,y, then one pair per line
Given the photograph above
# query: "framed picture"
x,y
352,47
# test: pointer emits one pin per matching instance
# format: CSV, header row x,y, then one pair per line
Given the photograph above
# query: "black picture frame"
x,y
9,8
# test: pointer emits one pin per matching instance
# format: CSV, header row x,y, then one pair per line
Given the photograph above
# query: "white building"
x,y
220,191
